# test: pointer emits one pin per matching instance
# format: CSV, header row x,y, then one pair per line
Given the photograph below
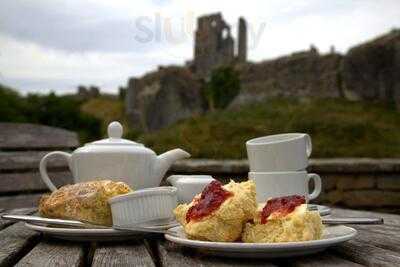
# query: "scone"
x,y
219,212
284,219
83,201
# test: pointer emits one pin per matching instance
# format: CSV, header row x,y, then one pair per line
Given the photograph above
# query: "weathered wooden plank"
x,y
55,253
126,254
34,136
325,259
375,245
175,255
383,230
361,251
31,181
20,201
29,160
22,211
381,240
15,241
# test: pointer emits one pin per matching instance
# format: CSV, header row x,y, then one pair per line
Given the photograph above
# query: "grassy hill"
x,y
106,109
338,128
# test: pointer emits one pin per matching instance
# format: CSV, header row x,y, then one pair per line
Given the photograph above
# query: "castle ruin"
x,y
214,45
85,92
242,40
169,94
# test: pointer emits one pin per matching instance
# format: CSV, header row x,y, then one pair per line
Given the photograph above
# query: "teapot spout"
x,y
165,160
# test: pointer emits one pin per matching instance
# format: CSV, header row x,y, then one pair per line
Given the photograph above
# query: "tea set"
x,y
277,164
116,159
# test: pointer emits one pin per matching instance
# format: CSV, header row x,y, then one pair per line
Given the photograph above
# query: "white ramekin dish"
x,y
150,205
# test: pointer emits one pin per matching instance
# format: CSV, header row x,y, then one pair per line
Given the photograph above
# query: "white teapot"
x,y
116,159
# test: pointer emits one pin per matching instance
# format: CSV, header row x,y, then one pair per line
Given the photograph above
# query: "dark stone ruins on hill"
x,y
214,45
162,97
369,71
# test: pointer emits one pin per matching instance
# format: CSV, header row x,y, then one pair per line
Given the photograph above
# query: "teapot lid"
x,y
114,131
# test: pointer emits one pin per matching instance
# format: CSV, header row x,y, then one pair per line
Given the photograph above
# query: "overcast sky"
x,y
57,45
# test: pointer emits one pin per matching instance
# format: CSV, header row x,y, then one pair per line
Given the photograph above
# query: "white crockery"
x,y
323,210
277,184
189,185
86,234
281,152
332,235
116,159
153,205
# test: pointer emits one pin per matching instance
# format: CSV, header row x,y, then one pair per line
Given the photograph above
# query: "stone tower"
x,y
131,109
242,40
214,44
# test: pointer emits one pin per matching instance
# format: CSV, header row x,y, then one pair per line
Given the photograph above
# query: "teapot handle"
x,y
43,167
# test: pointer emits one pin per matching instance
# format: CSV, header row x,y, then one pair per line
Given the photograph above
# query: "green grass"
x,y
338,128
106,109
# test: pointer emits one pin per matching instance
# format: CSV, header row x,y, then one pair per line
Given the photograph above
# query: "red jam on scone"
x,y
282,205
210,200
283,219
219,213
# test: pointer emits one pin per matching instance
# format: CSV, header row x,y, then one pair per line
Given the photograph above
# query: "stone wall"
x,y
163,97
356,183
214,45
242,41
303,74
85,92
371,70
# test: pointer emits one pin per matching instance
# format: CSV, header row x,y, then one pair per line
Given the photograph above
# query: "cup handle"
x,y
43,167
317,185
308,145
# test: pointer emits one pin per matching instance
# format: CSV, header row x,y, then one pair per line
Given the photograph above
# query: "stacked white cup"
x,y
278,166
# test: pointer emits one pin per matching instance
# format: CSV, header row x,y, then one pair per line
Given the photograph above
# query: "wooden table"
x,y
375,245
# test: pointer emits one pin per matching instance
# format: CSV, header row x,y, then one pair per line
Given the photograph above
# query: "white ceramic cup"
x,y
189,185
277,184
281,152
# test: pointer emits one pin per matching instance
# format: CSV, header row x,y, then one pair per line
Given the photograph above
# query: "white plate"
x,y
149,228
78,234
332,235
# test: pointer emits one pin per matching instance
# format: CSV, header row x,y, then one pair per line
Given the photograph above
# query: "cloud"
x,y
47,44
74,27
34,68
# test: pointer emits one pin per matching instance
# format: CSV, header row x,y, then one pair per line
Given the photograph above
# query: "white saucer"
x,y
79,234
323,210
333,235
